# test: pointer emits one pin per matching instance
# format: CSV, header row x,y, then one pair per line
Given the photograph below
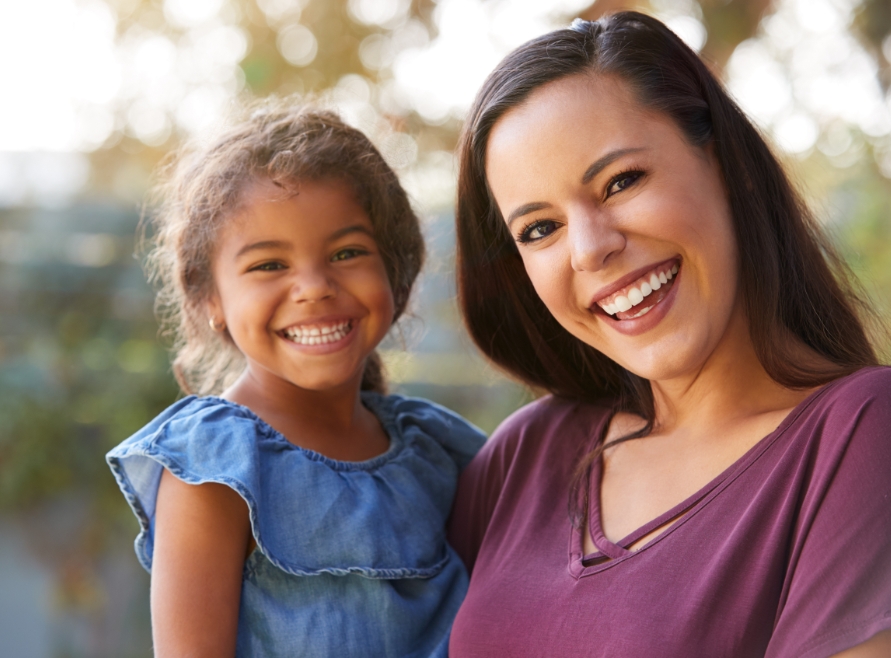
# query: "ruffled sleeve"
x,y
381,518
199,440
459,438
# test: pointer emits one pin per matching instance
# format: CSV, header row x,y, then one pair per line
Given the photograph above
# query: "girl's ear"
x,y
215,317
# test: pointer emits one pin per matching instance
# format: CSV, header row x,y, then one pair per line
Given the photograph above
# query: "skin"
x,y
594,187
305,259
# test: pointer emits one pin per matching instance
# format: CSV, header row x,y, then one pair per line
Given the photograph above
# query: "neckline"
x,y
374,402
611,553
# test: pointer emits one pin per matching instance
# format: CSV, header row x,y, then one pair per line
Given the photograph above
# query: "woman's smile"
x,y
632,301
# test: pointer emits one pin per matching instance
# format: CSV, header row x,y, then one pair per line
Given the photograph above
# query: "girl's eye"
x,y
347,254
623,181
537,230
271,266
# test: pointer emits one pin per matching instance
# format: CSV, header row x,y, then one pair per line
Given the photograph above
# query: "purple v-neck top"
x,y
786,553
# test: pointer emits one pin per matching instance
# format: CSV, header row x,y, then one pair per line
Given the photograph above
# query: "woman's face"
x,y
624,228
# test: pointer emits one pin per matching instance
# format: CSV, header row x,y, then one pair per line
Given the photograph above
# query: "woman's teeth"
x,y
319,334
640,290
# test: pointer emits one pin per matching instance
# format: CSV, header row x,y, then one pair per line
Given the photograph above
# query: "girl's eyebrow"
x,y
284,244
265,244
356,228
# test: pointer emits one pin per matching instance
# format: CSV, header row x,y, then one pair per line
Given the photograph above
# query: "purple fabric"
x,y
786,553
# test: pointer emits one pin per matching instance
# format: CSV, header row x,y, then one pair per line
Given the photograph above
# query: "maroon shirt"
x,y
786,553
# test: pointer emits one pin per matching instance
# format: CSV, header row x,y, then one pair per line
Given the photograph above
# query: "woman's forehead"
x,y
581,117
585,102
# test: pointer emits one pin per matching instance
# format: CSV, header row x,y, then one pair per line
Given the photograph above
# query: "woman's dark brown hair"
x,y
285,143
792,280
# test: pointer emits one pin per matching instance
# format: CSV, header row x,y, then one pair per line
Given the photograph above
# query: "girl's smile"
x,y
302,286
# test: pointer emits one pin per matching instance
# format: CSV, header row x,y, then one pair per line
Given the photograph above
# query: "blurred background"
x,y
97,92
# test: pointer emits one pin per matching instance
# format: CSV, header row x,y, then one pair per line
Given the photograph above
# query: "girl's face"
x,y
624,228
301,285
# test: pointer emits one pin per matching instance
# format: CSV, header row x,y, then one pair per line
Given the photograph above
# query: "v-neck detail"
x,y
610,553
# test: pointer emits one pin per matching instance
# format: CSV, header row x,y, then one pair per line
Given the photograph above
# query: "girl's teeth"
x,y
662,277
645,289
635,296
655,283
319,335
674,269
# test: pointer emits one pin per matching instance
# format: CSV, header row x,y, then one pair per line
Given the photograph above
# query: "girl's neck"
x,y
333,422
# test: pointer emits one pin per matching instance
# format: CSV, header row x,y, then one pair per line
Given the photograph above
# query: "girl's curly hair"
x,y
204,185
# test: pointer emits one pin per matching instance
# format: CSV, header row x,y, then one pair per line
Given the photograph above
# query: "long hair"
x,y
791,279
204,186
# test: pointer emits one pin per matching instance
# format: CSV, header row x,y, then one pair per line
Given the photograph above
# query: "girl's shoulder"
x,y
416,420
194,429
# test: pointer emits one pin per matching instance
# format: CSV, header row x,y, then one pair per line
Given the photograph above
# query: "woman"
x,y
711,474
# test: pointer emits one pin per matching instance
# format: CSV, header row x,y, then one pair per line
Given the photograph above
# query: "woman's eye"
x,y
623,181
346,254
537,230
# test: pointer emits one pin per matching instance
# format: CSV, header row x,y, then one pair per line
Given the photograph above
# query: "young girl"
x,y
291,507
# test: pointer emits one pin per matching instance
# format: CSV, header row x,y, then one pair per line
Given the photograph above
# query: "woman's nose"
x,y
593,240
312,285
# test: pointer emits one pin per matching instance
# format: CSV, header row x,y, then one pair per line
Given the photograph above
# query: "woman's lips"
x,y
637,298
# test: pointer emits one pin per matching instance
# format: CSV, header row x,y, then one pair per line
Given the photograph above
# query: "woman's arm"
x,y
879,646
202,534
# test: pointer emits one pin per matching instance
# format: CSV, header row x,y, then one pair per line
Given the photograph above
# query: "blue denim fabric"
x,y
351,557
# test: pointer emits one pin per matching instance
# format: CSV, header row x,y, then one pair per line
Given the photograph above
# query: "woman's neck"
x,y
730,386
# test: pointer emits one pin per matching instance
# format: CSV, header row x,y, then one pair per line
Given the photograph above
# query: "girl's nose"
x,y
312,286
593,240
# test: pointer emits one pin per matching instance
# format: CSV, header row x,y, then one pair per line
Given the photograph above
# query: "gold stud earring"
x,y
214,326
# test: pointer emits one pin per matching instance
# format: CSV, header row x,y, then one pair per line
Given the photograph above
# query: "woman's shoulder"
x,y
550,417
873,382
418,420
865,393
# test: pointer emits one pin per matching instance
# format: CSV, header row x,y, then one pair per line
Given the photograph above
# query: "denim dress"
x,y
351,557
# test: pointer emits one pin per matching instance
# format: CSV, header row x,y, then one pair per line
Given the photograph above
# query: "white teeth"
x,y
636,295
319,335
642,311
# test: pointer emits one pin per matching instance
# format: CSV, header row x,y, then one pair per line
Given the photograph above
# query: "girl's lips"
x,y
321,335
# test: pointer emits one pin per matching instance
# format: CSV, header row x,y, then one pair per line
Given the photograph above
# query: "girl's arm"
x,y
202,534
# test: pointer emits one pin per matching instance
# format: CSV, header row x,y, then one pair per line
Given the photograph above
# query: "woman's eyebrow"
x,y
598,166
525,209
605,161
